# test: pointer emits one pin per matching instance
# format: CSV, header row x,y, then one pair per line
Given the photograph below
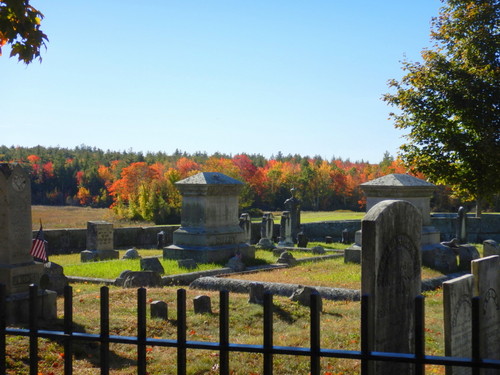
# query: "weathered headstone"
x,y
88,256
100,239
246,225
256,293
287,258
266,231
487,287
345,236
292,205
457,305
159,310
189,264
137,279
490,247
160,240
302,295
390,275
202,305
152,264
302,239
236,263
328,239
462,226
56,280
131,254
318,250
286,230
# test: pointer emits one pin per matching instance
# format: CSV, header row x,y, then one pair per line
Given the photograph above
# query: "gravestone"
x,y
209,230
266,231
246,225
302,239
457,305
256,293
159,310
160,240
189,264
17,268
202,305
487,287
152,264
490,247
390,275
292,205
100,239
131,254
287,258
286,230
461,226
302,295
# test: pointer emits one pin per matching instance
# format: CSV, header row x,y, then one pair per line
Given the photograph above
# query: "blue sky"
x,y
300,77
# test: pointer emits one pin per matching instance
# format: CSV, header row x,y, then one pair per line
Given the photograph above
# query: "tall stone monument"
x,y
292,205
267,231
286,230
17,268
390,275
209,229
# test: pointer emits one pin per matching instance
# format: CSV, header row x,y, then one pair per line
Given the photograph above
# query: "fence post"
x,y
419,334
104,335
33,329
365,342
476,350
315,333
141,331
68,330
181,332
268,333
3,324
224,332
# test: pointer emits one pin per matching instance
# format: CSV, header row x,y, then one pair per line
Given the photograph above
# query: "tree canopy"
x,y
20,28
449,102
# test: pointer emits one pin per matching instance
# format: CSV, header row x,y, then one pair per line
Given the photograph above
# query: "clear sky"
x,y
254,76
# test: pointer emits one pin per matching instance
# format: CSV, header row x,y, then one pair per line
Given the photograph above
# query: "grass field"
x,y
55,217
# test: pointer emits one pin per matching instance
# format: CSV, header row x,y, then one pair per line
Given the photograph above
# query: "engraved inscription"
x,y
27,278
18,182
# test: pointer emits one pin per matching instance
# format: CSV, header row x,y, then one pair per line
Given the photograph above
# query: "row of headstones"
x,y
202,304
391,277
483,282
267,231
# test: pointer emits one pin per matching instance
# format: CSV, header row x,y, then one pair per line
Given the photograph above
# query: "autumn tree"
x,y
20,28
450,102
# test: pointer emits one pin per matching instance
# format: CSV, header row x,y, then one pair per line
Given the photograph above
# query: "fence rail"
x,y
141,341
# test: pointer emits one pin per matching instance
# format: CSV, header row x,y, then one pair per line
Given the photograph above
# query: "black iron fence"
x,y
224,347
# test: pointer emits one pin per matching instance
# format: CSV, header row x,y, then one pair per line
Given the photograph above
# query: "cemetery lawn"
x,y
340,329
111,269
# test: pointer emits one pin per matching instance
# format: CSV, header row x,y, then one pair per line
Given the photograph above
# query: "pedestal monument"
x,y
209,229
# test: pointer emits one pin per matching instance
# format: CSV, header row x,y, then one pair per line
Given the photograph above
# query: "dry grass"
x,y
56,217
339,330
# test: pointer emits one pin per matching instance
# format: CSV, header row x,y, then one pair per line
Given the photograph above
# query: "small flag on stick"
x,y
39,247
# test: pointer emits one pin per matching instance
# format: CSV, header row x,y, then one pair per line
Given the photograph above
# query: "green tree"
x,y
450,102
20,27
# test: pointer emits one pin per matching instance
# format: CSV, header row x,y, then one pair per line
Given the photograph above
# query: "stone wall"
x,y
66,241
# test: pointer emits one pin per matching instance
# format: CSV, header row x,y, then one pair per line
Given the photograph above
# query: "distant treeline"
x,y
142,186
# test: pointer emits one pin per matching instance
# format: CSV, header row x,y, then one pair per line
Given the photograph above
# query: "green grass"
x,y
111,269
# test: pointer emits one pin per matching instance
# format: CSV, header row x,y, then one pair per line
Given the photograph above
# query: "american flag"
x,y
39,247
